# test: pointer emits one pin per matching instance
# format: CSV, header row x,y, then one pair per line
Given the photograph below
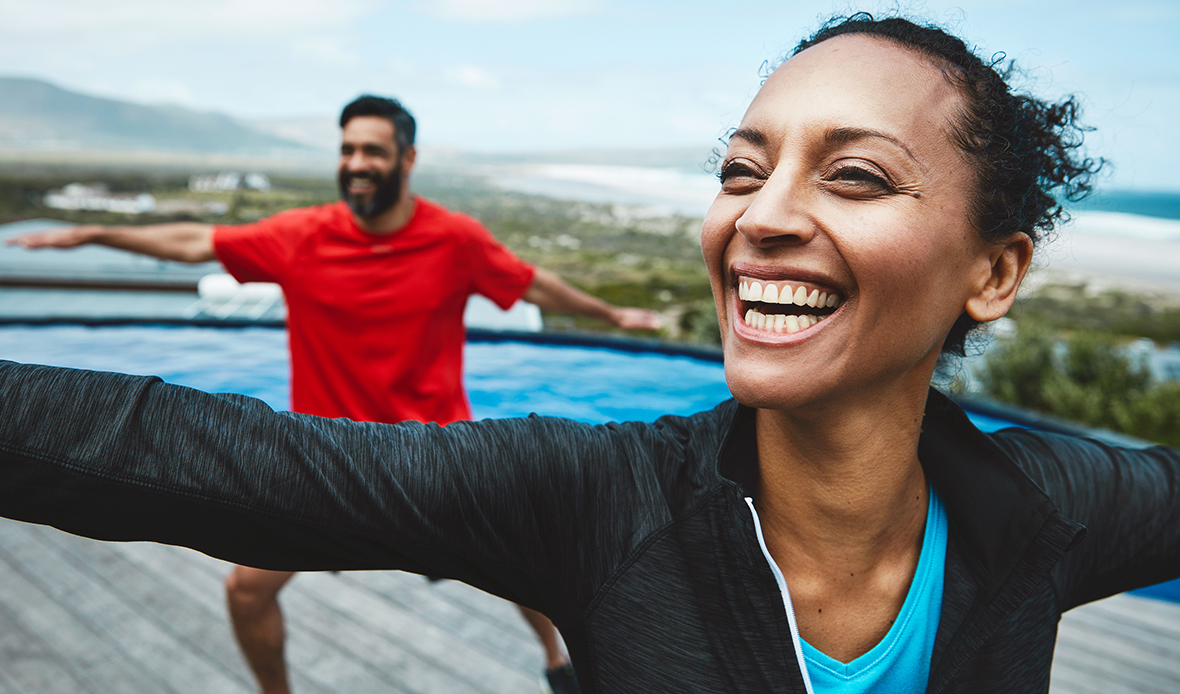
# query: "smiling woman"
x,y
838,526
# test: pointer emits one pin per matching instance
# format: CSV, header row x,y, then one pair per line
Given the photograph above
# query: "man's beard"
x,y
383,197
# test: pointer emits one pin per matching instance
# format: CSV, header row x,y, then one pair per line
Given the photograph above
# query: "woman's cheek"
x,y
713,241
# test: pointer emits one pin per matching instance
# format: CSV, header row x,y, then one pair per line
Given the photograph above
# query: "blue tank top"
x,y
900,663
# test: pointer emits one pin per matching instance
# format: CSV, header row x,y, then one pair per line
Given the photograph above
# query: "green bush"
x,y
1085,378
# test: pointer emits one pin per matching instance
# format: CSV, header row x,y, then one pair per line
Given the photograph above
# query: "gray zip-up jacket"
x,y
634,538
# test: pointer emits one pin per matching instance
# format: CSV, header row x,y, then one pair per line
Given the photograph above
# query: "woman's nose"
x,y
779,214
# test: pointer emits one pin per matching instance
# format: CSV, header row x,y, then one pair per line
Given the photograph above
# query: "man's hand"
x,y
636,319
59,237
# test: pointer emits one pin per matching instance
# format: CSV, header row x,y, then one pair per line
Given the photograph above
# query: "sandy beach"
x,y
1119,249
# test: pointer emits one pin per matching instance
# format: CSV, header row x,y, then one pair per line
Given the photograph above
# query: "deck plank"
x,y
495,627
84,592
198,579
84,616
1123,644
30,664
343,634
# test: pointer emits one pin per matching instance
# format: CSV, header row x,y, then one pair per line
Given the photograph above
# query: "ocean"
x,y
1164,205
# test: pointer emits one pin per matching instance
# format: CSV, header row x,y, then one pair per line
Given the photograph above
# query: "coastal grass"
x,y
1082,376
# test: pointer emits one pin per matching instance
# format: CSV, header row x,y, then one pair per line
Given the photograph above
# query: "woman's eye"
x,y
860,175
735,171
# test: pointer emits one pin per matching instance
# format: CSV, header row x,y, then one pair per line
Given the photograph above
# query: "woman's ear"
x,y
1009,261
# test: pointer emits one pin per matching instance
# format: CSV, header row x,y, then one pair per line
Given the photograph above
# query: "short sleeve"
x,y
262,251
495,271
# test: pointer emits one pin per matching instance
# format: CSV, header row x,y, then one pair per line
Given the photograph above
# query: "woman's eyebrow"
x,y
840,136
754,137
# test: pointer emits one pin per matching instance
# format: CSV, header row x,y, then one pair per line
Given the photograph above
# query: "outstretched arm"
x,y
187,242
551,293
500,504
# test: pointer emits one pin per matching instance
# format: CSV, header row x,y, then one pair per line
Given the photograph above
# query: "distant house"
x,y
227,180
79,196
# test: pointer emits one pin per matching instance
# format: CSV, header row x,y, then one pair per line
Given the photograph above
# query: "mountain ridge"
x,y
39,115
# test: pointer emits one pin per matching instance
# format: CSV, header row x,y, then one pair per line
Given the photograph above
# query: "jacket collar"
x,y
996,512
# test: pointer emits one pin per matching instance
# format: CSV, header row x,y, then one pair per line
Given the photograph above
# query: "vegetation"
x,y
1087,378
612,252
1066,306
22,188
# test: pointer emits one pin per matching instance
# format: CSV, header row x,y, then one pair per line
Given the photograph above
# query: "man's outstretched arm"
x,y
186,242
551,293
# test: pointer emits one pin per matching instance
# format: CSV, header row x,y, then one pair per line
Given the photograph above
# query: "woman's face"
x,y
840,248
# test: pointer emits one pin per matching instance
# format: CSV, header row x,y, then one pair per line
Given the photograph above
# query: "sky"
x,y
533,75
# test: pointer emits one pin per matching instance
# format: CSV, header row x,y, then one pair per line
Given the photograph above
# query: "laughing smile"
x,y
361,182
784,307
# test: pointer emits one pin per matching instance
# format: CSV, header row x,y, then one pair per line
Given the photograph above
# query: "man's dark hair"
x,y
1026,152
389,109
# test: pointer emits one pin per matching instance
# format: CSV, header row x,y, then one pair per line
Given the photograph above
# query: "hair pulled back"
x,y
1026,152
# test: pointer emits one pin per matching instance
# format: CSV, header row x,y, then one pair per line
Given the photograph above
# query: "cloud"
x,y
1145,11
506,11
328,51
148,22
472,76
695,124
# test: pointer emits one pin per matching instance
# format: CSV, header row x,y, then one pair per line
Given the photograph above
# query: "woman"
x,y
881,197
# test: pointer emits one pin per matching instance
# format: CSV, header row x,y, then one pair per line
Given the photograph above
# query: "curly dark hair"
x,y
1026,151
382,107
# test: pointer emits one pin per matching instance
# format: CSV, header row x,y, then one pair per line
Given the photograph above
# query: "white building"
x,y
226,181
79,196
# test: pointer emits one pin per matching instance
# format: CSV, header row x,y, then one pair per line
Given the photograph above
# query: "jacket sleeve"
x,y
537,510
1128,499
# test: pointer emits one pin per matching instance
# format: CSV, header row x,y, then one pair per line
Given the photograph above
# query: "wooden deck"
x,y
83,616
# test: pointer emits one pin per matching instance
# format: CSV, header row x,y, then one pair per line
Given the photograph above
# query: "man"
x,y
376,286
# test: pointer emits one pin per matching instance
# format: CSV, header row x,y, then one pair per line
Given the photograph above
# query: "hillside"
x,y
36,115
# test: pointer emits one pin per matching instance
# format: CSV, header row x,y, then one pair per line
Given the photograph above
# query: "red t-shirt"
x,y
375,322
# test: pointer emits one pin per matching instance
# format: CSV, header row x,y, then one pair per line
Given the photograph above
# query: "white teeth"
x,y
772,293
779,322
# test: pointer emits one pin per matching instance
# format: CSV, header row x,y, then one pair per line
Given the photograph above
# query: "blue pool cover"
x,y
503,378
